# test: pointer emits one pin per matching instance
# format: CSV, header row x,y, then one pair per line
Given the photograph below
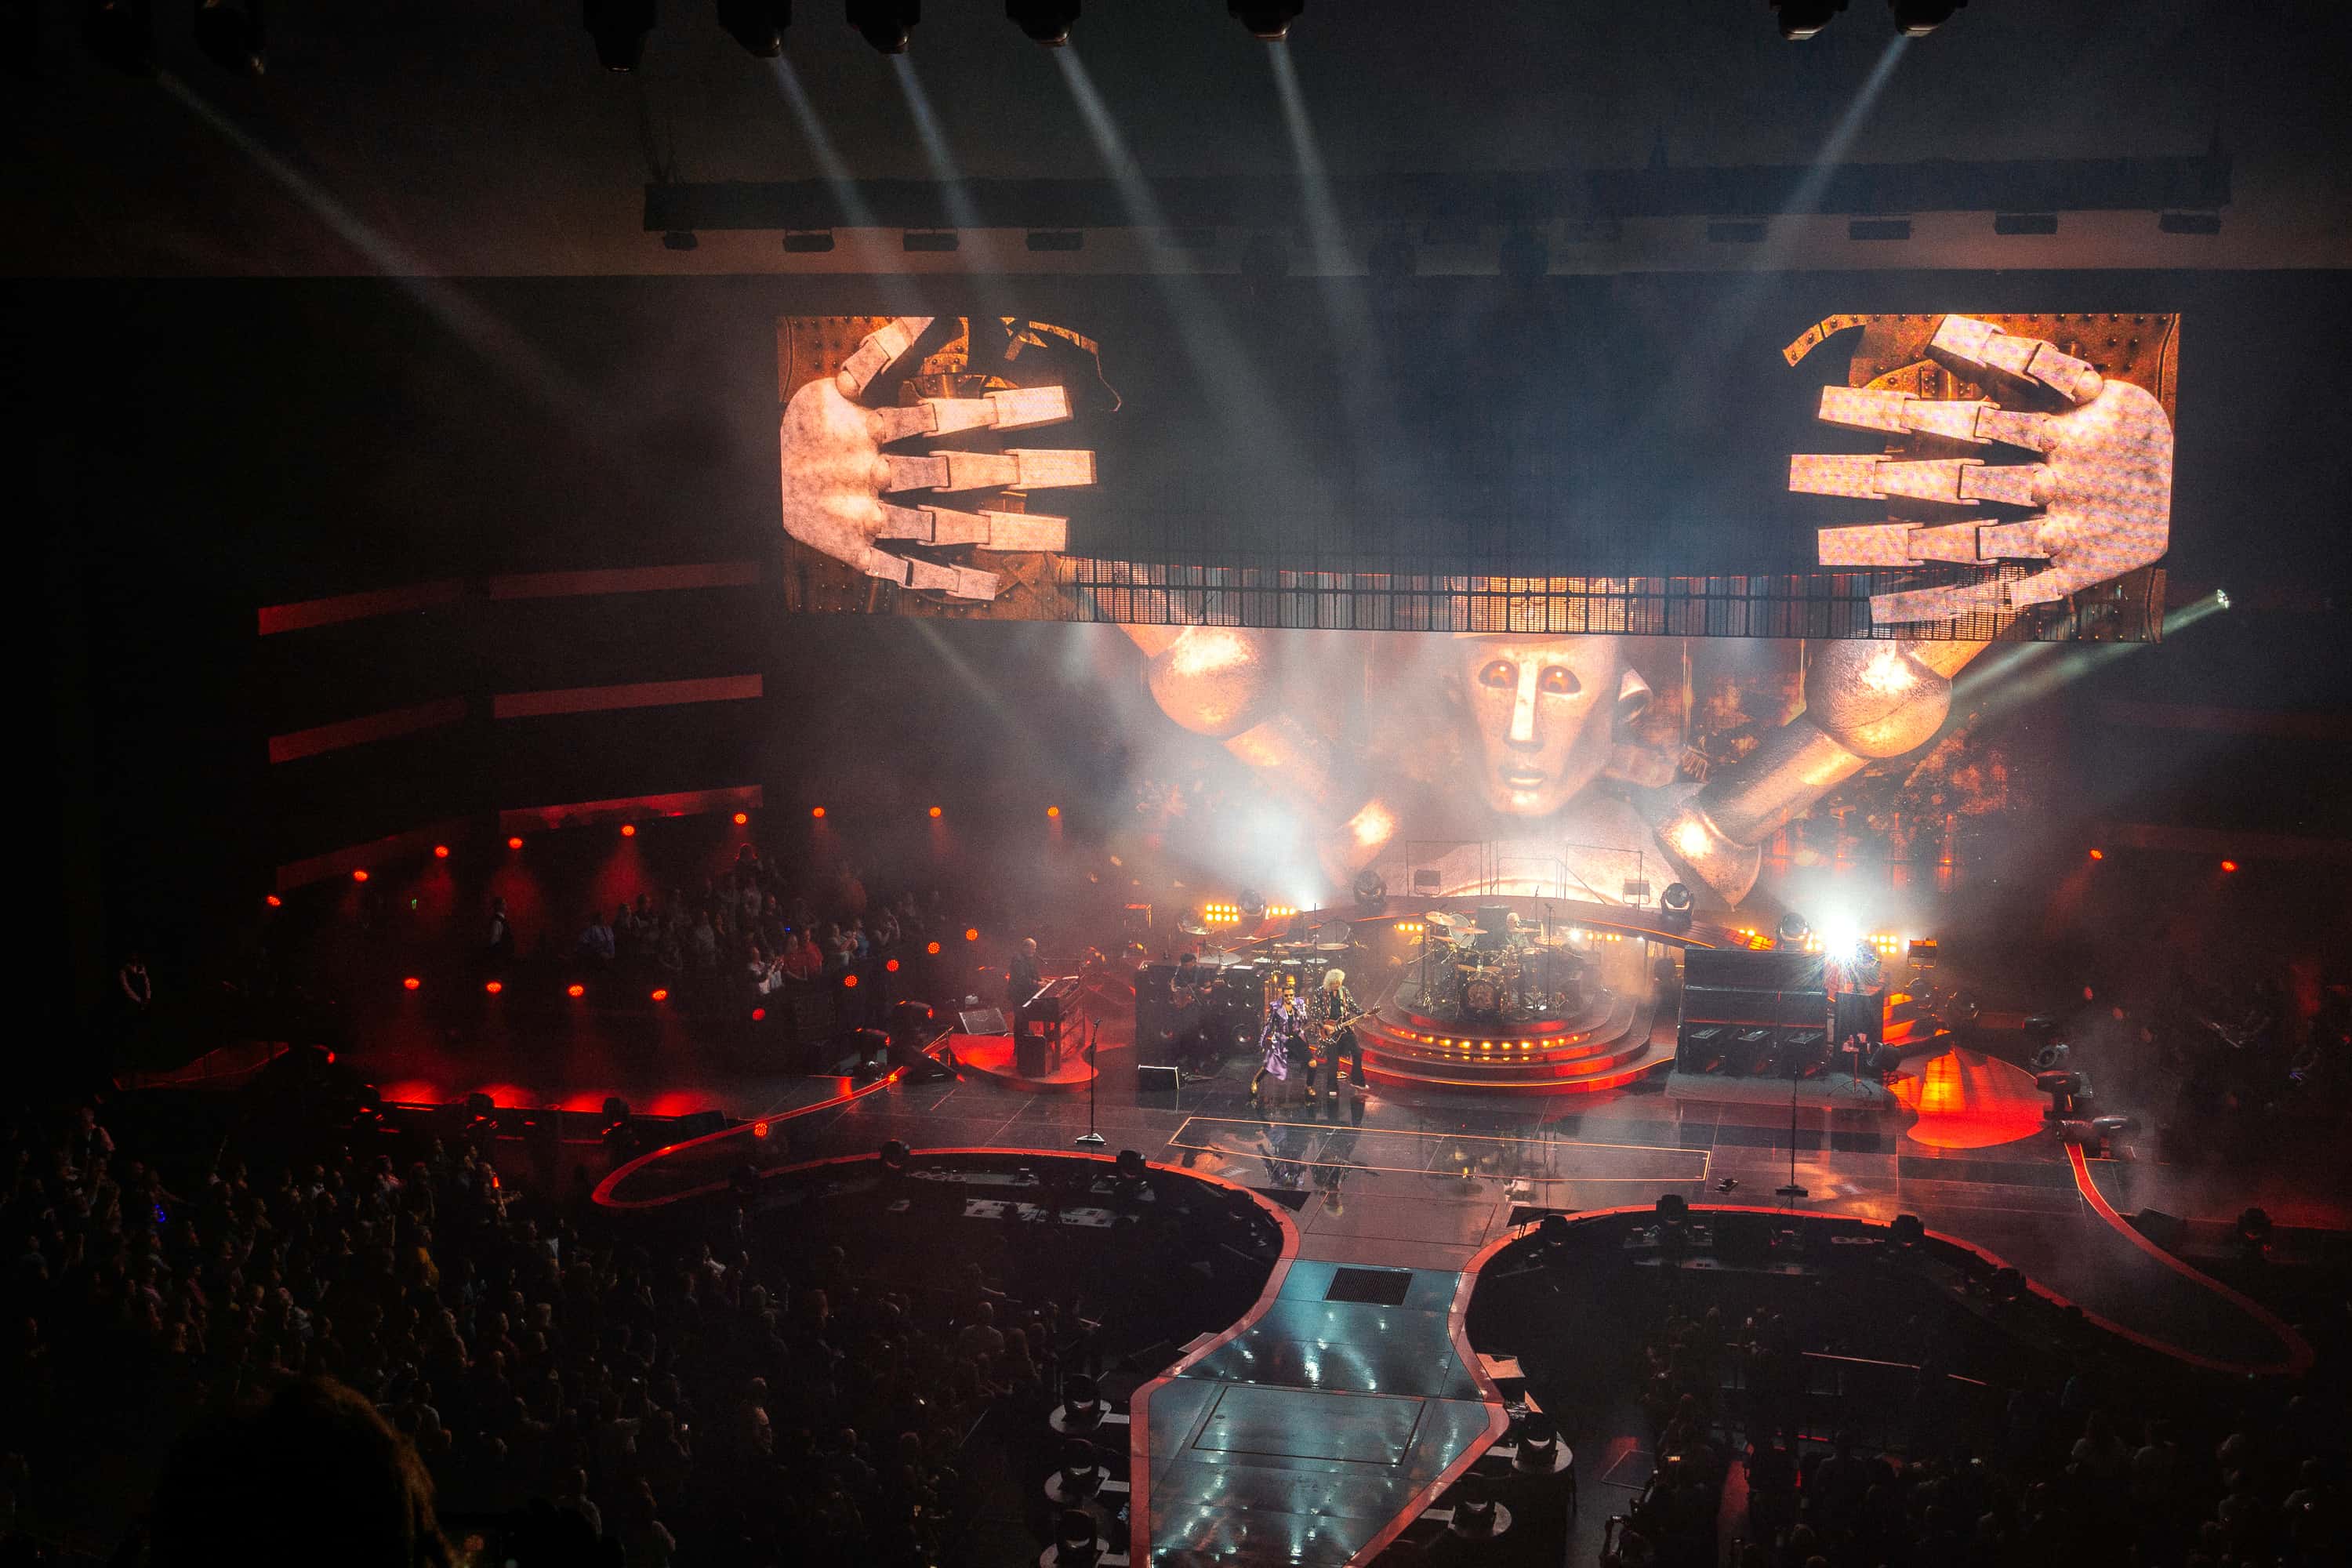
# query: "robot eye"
x,y
1560,681
1499,672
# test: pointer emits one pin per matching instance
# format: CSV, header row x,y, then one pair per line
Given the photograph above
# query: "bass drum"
x,y
1482,992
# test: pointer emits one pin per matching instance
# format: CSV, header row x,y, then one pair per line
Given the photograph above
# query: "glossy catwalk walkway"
x,y
1318,1428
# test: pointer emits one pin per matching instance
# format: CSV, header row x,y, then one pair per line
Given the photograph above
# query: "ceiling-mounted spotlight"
x,y
619,27
1046,22
1268,20
1803,18
119,33
757,24
230,34
888,25
1917,18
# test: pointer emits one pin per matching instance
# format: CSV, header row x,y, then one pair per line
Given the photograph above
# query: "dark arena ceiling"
x,y
429,136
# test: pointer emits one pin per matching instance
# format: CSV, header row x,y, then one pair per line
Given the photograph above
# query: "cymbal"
x,y
1445,918
1333,946
1191,929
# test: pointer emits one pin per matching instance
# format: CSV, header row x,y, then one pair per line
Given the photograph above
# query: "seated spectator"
x,y
595,941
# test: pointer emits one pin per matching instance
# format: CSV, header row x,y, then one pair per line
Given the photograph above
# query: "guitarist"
x,y
1335,1013
1187,1035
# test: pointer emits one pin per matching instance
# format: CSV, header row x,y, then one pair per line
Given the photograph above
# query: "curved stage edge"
x,y
707,1155
2296,1356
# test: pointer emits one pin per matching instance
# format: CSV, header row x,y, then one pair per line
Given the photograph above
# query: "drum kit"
x,y
1523,970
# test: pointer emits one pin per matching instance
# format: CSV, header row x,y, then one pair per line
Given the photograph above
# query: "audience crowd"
x,y
2054,1480
711,1403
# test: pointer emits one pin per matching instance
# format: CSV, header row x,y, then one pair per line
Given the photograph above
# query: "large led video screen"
x,y
1964,478
1450,731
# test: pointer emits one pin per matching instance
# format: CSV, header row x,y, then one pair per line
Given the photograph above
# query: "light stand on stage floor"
x,y
1090,1139
1792,1191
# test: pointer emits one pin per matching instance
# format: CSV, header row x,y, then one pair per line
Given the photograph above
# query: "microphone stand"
x,y
1796,1071
1090,1139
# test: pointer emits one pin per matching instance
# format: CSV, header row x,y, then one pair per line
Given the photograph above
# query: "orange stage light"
x,y
2098,853
758,1014
850,981
816,811
1053,811
272,899
931,947
628,830
359,876
662,995
514,843
971,933
412,983
935,810
890,964
758,1129
495,986
575,989
440,852
741,818
2228,864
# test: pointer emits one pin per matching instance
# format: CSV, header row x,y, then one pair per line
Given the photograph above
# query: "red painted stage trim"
x,y
307,613
603,1197
384,726
415,841
642,694
625,580
2299,1354
682,803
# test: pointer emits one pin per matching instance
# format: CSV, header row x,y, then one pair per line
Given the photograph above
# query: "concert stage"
x,y
1509,995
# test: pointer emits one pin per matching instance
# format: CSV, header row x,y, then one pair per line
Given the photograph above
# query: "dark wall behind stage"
x,y
203,449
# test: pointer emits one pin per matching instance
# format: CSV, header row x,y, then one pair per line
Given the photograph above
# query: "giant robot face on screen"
x,y
2024,471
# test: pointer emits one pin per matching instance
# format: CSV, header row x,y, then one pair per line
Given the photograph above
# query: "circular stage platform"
x,y
993,1055
1572,1010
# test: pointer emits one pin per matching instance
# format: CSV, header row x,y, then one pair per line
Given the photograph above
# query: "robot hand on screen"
x,y
2099,503
836,472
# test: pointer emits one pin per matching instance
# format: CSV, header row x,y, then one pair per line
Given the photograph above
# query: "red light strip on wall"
x,y
358,731
625,580
306,613
641,694
683,803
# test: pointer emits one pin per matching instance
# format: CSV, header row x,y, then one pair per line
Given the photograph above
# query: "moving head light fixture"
x,y
1268,20
1912,18
1917,18
757,24
888,25
1046,22
1801,19
619,28
228,34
